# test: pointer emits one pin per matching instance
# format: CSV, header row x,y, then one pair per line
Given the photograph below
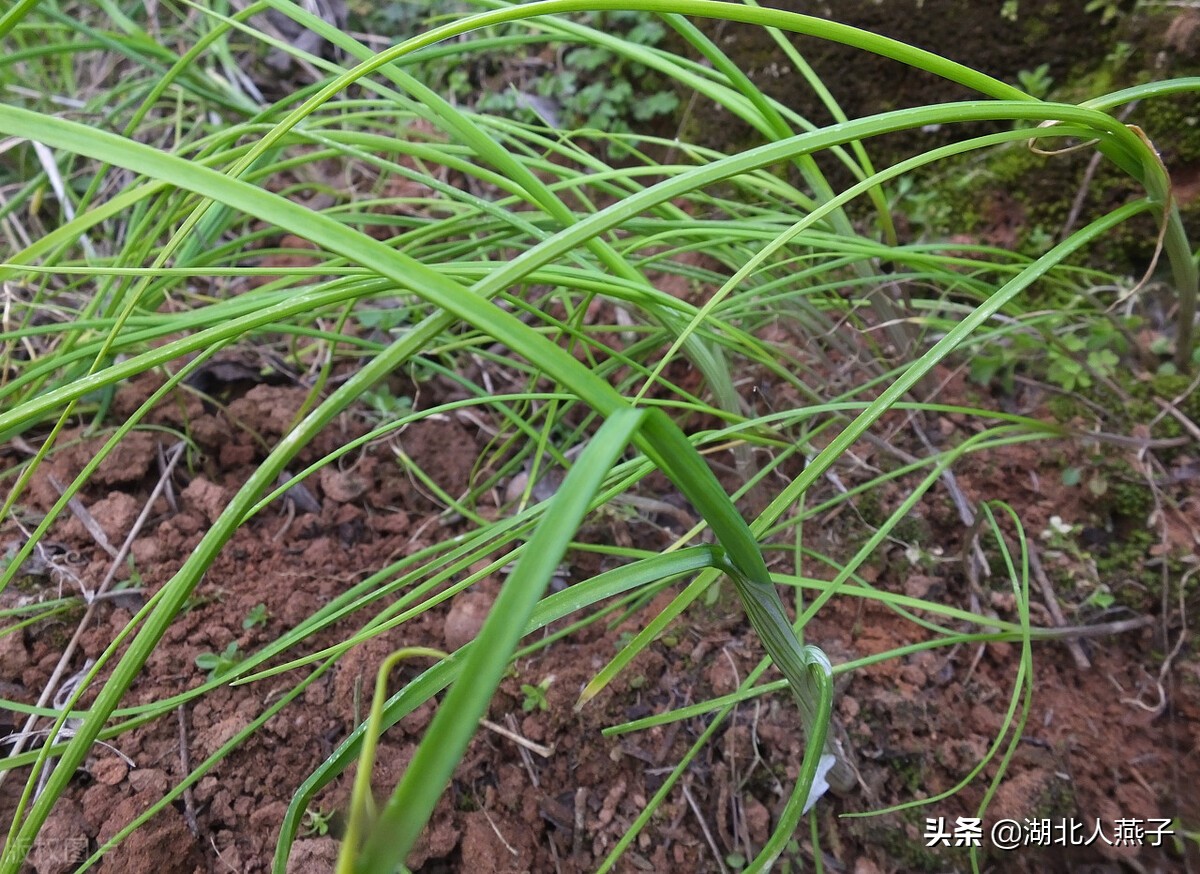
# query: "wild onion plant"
x,y
171,172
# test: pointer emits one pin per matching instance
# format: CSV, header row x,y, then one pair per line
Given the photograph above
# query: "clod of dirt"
x,y
313,856
722,676
342,487
149,780
144,849
863,865
437,842
14,655
757,819
129,461
63,841
109,771
918,585
114,514
269,407
445,451
205,496
488,850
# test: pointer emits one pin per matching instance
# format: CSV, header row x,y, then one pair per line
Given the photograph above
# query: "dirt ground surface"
x,y
1112,734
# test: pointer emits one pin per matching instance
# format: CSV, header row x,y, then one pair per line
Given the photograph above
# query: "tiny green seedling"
x,y
1183,836
1037,82
219,663
316,821
1070,362
535,696
1108,9
1102,598
256,617
135,577
385,406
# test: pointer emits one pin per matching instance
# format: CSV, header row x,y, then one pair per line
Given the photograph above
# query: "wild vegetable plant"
x,y
505,235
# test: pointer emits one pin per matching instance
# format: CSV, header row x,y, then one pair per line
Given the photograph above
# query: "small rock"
x,y
465,619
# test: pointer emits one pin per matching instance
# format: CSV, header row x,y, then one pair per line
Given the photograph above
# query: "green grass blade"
x,y
405,815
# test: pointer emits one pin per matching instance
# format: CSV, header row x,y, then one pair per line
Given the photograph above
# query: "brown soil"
x,y
1110,738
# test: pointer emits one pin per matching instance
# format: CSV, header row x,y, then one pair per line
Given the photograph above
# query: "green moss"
x,y
57,633
1064,407
1146,406
912,529
912,856
1056,800
870,508
1139,403
1124,560
29,583
910,770
1129,500
1012,165
1009,187
1175,121
1033,194
1036,31
1168,387
1120,499
905,854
